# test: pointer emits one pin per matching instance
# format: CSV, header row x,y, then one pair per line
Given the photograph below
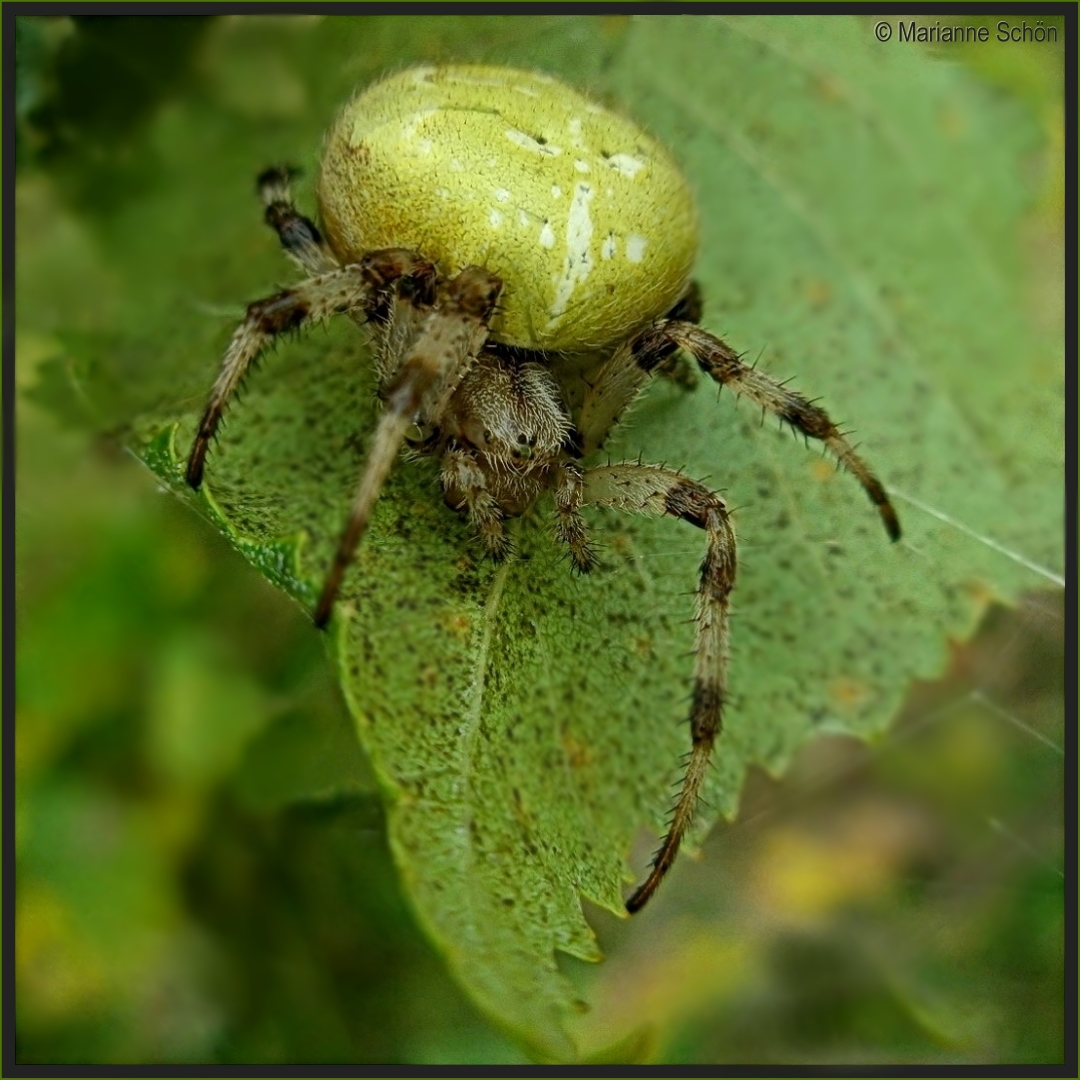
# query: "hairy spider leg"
x,y
300,238
462,473
720,362
569,524
653,489
452,334
622,376
659,490
349,288
397,312
676,366
293,309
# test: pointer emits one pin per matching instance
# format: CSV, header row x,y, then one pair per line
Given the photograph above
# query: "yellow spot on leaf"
x,y
980,592
849,694
578,754
819,294
953,122
829,89
458,623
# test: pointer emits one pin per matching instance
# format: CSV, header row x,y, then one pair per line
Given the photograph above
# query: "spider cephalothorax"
x,y
501,235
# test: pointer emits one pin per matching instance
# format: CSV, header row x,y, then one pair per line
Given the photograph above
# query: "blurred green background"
x,y
183,898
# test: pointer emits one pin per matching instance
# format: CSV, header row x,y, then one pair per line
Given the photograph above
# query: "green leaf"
x,y
862,211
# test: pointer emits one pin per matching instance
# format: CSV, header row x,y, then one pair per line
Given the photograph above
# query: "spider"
x,y
522,257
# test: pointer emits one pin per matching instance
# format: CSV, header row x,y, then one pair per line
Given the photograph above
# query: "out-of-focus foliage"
x,y
202,871
893,904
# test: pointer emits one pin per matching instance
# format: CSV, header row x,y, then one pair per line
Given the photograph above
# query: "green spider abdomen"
x,y
584,216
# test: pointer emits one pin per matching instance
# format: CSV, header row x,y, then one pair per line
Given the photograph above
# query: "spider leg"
x,y
397,312
677,366
400,318
346,289
613,390
678,369
653,489
620,379
465,486
569,524
452,334
300,238
720,362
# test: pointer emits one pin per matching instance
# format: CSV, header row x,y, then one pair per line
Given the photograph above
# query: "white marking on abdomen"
x,y
635,247
626,164
579,260
527,142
